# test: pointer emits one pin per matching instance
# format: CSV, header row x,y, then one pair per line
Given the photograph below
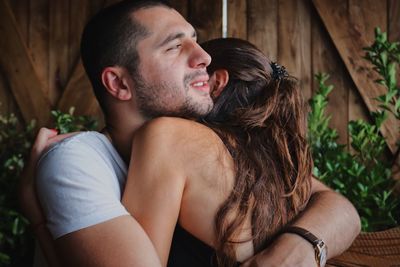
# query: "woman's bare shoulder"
x,y
177,135
175,129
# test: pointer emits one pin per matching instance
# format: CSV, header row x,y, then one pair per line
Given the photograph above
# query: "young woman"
x,y
228,184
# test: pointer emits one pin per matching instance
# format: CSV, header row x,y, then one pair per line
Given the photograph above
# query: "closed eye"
x,y
177,46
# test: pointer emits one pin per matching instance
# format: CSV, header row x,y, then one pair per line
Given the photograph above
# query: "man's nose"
x,y
199,58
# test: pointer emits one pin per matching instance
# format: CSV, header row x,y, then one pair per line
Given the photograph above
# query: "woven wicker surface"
x,y
377,249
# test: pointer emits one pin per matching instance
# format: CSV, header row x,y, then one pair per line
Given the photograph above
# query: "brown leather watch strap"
x,y
303,233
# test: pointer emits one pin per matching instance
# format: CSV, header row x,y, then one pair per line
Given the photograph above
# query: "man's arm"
x,y
329,216
29,202
118,242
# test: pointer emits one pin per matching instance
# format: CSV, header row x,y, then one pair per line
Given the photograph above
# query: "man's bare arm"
x,y
329,216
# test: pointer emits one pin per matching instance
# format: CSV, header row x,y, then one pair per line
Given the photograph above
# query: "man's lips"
x,y
201,84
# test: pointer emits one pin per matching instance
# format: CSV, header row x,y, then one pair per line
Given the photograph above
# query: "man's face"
x,y
172,78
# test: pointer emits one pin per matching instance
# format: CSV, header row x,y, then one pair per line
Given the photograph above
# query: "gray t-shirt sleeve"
x,y
77,188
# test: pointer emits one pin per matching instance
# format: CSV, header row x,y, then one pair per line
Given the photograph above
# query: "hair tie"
x,y
278,71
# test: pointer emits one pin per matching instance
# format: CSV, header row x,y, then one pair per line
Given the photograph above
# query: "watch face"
x,y
322,255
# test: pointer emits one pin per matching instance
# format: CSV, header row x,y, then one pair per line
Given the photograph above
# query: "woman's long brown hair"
x,y
262,121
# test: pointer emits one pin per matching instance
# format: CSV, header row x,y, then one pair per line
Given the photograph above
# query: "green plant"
x,y
15,142
68,122
16,242
363,175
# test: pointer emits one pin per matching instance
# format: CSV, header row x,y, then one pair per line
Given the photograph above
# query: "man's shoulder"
x,y
85,144
84,139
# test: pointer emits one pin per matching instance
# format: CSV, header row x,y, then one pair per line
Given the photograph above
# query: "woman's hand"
x,y
29,202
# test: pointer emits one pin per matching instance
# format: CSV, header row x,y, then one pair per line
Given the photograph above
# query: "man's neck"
x,y
121,135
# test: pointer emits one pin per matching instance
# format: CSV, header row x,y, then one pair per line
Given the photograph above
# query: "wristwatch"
x,y
320,248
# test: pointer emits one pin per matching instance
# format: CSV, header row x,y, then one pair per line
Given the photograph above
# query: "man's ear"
x,y
219,79
117,83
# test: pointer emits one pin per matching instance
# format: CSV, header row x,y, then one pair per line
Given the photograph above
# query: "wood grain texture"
x,y
349,41
325,59
237,18
78,93
394,25
39,40
262,26
78,16
58,48
206,18
394,20
363,16
20,10
7,101
294,39
18,68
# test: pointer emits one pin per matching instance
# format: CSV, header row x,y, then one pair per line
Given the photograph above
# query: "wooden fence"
x,y
40,67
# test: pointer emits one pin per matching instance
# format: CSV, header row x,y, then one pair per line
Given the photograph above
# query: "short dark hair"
x,y
110,39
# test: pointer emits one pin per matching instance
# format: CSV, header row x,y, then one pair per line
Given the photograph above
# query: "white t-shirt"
x,y
79,183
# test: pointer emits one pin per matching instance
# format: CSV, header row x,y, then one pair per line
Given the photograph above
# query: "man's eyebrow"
x,y
175,36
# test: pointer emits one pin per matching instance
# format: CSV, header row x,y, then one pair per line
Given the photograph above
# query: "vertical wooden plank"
x,y
17,66
262,26
20,9
363,15
20,12
294,41
394,35
326,59
39,40
7,102
394,25
206,17
357,108
79,94
366,15
181,6
394,20
349,42
79,13
58,48
305,70
237,19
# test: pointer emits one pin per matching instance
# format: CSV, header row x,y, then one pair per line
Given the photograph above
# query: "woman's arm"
x,y
155,184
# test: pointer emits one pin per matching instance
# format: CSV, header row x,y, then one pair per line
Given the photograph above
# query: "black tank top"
x,y
188,251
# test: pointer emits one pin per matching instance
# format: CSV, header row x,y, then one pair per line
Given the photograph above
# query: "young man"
x,y
143,61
